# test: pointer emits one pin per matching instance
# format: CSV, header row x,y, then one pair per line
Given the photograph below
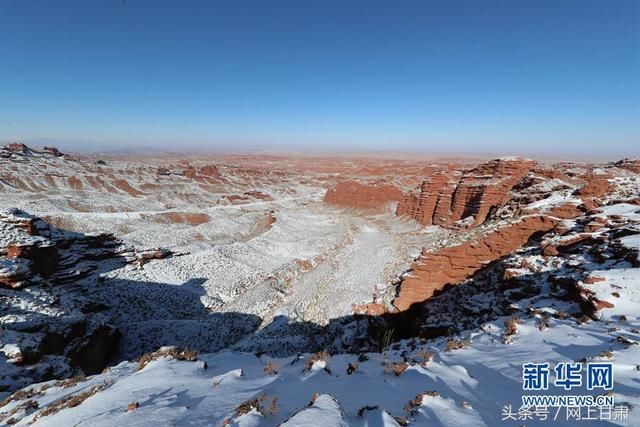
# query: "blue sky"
x,y
465,76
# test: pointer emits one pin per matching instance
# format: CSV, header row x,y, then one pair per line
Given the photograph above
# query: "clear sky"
x,y
529,76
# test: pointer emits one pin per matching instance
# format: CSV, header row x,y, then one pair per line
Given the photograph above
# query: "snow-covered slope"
x,y
463,387
256,286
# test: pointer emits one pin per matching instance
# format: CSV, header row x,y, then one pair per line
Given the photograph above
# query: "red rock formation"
x,y
596,186
353,194
53,151
210,171
565,211
630,164
487,187
451,265
17,147
447,197
43,257
154,253
432,203
123,185
75,183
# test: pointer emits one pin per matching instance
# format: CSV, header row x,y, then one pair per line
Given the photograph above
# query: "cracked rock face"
x,y
433,270
49,326
448,197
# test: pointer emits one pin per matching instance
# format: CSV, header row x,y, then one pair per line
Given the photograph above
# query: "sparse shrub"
x,y
608,354
352,368
402,421
272,409
511,326
259,403
560,315
248,405
414,404
543,323
68,383
173,352
321,356
422,358
314,396
583,318
453,344
395,368
71,401
20,395
27,406
271,369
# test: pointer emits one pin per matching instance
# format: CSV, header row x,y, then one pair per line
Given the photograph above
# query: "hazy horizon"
x,y
537,79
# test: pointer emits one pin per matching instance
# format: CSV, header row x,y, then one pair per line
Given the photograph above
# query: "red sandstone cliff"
x,y
447,197
433,270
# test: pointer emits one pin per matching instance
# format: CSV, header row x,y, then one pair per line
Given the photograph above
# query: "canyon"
x,y
106,259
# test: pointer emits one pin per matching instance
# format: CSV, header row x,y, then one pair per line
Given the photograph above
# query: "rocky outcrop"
x,y
432,203
210,171
630,164
353,194
432,271
52,151
63,322
26,252
207,173
466,198
596,186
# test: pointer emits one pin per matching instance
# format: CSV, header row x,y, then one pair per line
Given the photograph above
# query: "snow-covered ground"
x,y
260,281
465,387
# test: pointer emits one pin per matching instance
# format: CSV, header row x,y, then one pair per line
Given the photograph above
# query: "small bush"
x,y
248,405
314,396
352,368
27,406
511,326
175,353
607,354
71,401
416,402
272,409
422,358
453,344
258,403
321,356
70,382
560,315
402,421
544,322
395,368
20,395
271,369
